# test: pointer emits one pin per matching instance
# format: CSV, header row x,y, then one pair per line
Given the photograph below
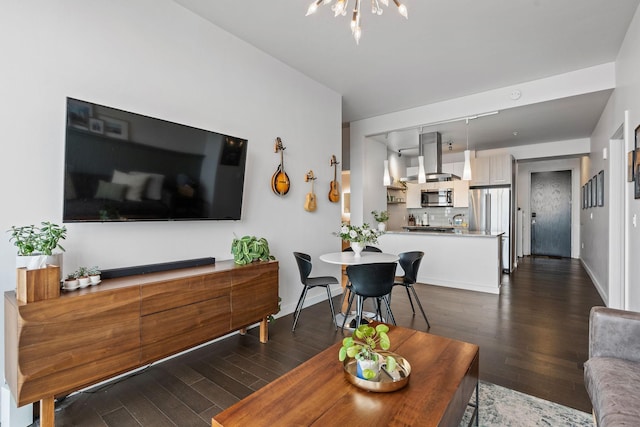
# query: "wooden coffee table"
x,y
444,374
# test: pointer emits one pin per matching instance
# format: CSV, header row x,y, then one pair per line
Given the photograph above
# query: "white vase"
x,y
357,248
382,226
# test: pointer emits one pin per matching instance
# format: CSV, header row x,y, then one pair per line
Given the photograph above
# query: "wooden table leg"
x,y
264,330
47,412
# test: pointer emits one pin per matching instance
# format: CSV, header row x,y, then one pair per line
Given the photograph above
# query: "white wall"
x,y
626,97
154,57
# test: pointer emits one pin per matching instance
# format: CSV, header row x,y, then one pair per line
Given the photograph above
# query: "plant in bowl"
x,y
248,249
362,347
94,274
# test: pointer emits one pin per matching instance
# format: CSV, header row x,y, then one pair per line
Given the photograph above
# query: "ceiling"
x,y
446,49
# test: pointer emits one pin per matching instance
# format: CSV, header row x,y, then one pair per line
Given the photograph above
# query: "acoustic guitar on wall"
x,y
334,192
310,202
280,180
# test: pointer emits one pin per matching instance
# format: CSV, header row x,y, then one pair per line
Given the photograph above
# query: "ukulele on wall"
x,y
334,192
280,180
310,202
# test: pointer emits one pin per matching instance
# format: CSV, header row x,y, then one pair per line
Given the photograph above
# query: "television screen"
x,y
122,166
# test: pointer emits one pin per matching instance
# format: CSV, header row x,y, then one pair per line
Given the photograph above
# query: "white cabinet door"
x,y
481,171
413,196
501,169
461,194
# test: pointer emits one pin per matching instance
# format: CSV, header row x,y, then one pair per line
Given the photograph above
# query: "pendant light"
x,y
422,178
386,178
466,172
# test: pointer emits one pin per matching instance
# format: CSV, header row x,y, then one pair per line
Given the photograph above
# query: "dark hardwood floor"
x,y
533,338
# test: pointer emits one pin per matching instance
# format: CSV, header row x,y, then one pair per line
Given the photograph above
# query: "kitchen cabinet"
x,y
501,167
460,194
413,195
456,168
494,170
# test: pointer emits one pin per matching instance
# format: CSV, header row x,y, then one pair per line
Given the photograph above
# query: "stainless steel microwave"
x,y
443,197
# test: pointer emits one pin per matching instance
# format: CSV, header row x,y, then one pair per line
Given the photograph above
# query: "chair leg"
x,y
333,314
359,304
344,320
303,295
410,301
389,312
415,294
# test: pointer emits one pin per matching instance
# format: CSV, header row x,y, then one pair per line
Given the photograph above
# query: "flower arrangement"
x,y
363,234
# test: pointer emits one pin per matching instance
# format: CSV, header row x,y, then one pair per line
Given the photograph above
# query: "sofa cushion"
x,y
614,388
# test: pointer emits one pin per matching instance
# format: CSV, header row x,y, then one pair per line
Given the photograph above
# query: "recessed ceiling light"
x,y
515,133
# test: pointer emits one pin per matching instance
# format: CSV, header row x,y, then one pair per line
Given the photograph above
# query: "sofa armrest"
x,y
614,333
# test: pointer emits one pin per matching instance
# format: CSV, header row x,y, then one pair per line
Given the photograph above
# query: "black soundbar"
x,y
154,268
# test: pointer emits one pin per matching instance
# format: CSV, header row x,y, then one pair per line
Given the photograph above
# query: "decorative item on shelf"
x,y
71,282
280,180
367,367
340,8
381,218
249,249
94,275
310,202
358,237
37,284
83,277
334,191
36,245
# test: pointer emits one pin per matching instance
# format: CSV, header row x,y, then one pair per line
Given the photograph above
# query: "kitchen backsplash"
x,y
438,216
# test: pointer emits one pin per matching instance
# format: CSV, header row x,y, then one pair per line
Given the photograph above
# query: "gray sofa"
x,y
612,373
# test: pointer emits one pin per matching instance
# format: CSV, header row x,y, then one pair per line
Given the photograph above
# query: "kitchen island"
x,y
454,258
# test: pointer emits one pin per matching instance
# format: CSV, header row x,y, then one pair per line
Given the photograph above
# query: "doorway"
x,y
551,213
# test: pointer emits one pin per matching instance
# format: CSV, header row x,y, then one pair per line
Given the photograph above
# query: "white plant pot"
x,y
84,281
357,248
382,226
95,279
367,364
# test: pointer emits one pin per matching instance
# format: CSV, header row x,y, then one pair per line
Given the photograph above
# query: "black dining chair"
x,y
370,281
304,266
367,248
410,263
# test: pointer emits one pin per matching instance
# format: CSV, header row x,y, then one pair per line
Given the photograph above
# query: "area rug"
x,y
502,407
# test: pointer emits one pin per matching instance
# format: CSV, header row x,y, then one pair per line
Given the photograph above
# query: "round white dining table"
x,y
350,258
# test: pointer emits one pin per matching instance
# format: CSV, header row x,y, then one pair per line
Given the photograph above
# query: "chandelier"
x,y
340,8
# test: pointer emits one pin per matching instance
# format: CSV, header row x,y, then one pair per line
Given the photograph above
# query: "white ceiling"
x,y
446,49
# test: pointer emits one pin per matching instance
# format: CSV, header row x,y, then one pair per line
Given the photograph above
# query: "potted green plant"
x,y
362,347
71,282
381,218
94,275
248,249
36,244
83,277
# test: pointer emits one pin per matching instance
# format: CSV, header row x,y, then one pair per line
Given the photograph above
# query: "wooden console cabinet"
x,y
57,346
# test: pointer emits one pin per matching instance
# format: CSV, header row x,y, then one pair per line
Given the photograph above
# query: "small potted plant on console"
x,y
83,277
94,275
71,282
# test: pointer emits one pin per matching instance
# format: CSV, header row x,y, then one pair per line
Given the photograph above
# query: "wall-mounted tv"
x,y
122,166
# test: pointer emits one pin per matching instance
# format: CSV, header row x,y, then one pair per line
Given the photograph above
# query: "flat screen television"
x,y
122,166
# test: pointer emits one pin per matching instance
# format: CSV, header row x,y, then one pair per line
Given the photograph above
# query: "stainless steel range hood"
x,y
431,148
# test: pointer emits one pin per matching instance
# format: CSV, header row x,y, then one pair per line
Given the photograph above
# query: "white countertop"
x,y
455,233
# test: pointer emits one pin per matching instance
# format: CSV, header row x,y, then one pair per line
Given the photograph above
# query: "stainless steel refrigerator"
x,y
490,211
